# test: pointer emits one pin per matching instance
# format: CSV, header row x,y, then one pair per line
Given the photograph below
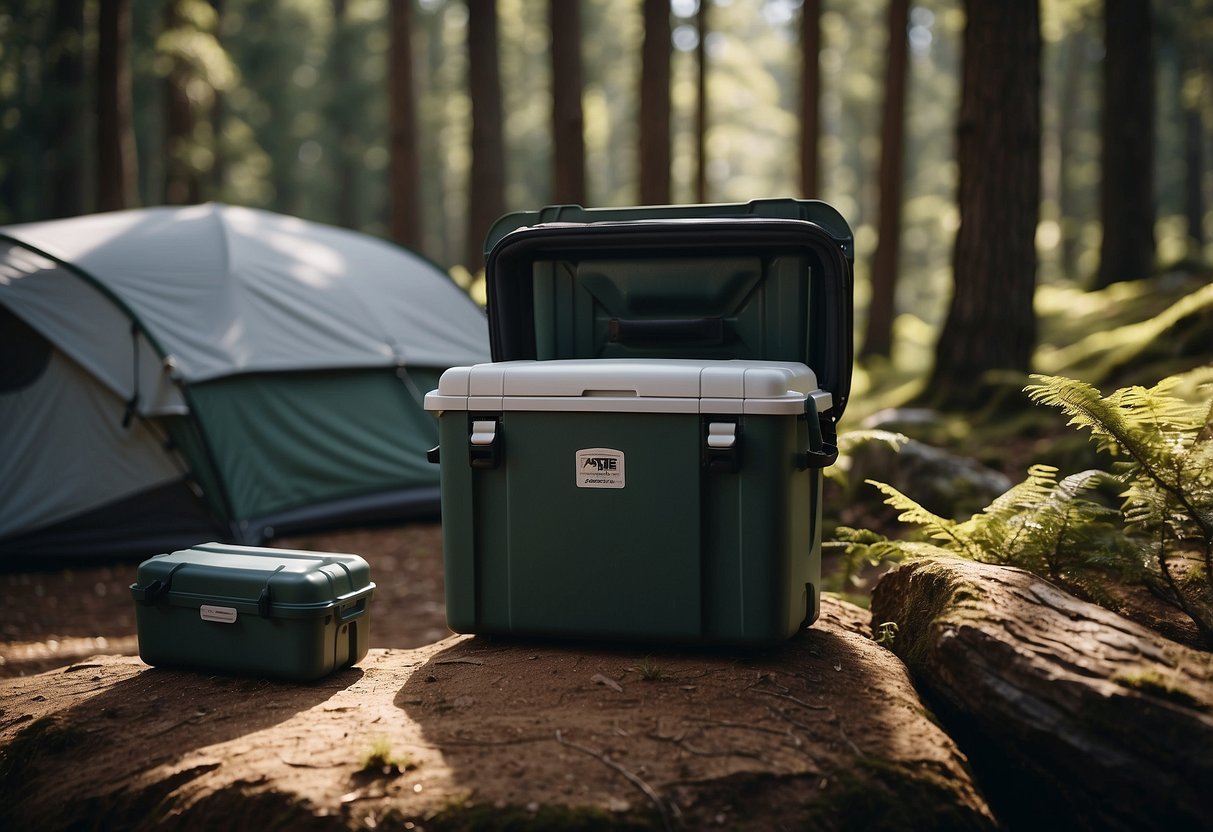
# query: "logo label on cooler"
x,y
222,615
599,468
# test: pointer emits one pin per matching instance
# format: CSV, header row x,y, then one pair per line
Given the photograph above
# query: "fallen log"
x,y
1072,716
824,732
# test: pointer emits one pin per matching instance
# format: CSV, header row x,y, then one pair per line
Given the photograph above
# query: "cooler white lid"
x,y
631,385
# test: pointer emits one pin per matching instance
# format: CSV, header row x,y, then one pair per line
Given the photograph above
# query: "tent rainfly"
x,y
175,375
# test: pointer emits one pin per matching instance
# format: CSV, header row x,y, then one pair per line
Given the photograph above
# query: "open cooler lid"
x,y
766,280
631,386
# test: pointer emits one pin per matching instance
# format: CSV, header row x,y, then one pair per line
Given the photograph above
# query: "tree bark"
x,y
991,324
116,171
1104,723
486,188
1127,209
701,105
655,104
568,122
65,145
404,174
878,337
345,134
810,97
182,180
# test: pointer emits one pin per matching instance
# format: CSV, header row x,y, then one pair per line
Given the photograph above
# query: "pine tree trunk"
x,y
991,324
655,104
701,105
116,171
568,123
486,189
1127,195
182,183
878,338
810,97
404,173
65,146
345,134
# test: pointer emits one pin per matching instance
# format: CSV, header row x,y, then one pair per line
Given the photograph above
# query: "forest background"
x,y
422,120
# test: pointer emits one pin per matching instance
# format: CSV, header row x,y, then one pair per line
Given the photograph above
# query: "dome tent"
x,y
174,375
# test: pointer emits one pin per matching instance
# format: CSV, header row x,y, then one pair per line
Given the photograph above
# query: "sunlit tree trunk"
x,y
116,171
655,104
701,105
878,339
486,194
1127,195
218,174
404,174
568,122
182,181
991,324
810,95
1194,151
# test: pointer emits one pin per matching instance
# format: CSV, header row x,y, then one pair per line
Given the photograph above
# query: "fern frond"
x,y
854,438
1084,405
936,527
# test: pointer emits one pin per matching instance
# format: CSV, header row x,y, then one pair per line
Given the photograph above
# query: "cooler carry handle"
x,y
708,331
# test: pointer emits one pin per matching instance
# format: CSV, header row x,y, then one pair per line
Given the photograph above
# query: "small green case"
x,y
245,610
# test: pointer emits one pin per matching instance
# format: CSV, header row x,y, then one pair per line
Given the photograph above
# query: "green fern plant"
x,y
1044,525
1161,439
1161,442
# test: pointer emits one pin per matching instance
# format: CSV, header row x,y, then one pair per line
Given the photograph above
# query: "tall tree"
x,y
116,171
65,147
810,97
486,191
701,103
568,120
991,324
655,104
182,184
878,338
404,171
341,117
1126,200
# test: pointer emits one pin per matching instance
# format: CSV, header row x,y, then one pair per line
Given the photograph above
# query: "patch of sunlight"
x,y
1099,352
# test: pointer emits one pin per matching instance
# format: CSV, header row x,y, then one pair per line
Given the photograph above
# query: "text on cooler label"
x,y
599,468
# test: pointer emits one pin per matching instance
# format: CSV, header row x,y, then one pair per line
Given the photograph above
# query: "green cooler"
x,y
642,459
631,498
249,610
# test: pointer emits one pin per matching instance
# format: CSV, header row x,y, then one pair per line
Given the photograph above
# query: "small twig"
x,y
648,790
458,661
476,742
740,725
848,741
791,698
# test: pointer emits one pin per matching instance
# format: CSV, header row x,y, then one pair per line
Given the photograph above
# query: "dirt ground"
x,y
772,737
55,617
